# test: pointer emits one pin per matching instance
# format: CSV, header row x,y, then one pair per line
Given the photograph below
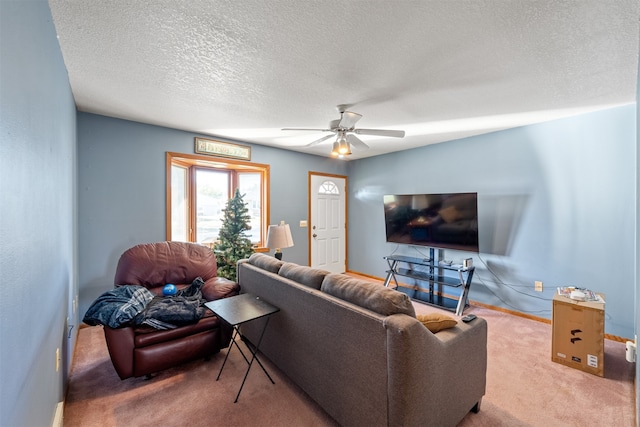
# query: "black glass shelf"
x,y
423,275
424,296
430,276
426,262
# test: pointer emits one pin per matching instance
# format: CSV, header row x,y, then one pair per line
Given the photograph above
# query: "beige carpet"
x,y
524,387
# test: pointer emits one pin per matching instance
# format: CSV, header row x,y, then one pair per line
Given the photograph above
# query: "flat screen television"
x,y
437,220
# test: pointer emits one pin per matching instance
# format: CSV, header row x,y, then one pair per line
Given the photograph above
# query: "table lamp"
x,y
278,237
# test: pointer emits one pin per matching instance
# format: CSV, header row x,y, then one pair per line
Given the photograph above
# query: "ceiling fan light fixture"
x,y
335,151
343,146
344,130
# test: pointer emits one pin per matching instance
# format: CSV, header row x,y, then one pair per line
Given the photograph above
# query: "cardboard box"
x,y
578,334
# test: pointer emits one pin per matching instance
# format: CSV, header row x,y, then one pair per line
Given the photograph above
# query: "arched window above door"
x,y
328,187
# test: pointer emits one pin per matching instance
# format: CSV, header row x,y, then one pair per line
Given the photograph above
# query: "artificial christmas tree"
x,y
233,243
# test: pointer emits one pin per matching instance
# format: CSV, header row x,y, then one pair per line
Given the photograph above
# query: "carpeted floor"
x,y
524,387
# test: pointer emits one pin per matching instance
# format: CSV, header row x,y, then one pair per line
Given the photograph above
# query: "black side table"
x,y
236,311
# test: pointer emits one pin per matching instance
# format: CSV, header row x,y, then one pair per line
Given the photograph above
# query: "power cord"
x,y
498,280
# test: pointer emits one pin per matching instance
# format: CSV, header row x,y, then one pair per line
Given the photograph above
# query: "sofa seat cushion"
x,y
372,296
436,322
145,335
308,276
265,262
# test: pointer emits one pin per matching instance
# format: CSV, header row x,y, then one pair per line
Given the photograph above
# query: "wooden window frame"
x,y
193,162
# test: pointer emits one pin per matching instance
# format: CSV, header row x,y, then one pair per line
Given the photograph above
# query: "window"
x,y
328,187
198,188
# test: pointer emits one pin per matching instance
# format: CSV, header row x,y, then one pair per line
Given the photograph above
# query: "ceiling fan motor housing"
x,y
344,128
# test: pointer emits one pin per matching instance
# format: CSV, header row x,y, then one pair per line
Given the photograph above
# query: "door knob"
x,y
315,235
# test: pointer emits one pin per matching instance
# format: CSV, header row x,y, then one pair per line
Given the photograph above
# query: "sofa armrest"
x,y
439,377
120,343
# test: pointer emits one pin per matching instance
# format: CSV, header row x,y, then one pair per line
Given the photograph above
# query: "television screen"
x,y
436,220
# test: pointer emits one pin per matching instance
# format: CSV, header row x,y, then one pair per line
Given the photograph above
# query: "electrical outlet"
x,y
57,359
538,285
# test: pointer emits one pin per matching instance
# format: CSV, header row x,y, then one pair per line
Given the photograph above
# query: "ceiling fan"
x,y
345,131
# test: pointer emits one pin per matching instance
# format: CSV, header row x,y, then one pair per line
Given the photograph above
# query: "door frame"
x,y
346,214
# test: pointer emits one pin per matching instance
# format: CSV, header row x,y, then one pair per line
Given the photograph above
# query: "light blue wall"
x,y
557,203
637,278
37,215
121,195
567,192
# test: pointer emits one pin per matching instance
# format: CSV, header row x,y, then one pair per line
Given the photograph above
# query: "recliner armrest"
x,y
219,287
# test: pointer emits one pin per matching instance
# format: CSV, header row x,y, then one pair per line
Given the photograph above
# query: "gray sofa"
x,y
357,349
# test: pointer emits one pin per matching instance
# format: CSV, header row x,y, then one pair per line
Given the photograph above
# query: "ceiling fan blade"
x,y
355,141
349,119
312,130
381,132
318,141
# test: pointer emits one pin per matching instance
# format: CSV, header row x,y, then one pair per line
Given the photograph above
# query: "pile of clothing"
x,y
128,305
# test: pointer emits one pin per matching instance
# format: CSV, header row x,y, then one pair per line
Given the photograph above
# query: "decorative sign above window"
x,y
222,149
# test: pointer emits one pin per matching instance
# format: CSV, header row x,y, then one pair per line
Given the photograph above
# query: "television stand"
x,y
430,278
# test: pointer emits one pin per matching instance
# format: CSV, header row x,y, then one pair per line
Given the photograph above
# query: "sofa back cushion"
x,y
153,265
372,296
308,276
265,262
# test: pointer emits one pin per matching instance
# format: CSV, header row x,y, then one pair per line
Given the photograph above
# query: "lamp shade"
x,y
278,237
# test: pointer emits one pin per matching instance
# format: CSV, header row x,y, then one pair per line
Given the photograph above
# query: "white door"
x,y
327,226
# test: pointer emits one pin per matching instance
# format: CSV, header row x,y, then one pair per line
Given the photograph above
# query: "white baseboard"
x,y
58,417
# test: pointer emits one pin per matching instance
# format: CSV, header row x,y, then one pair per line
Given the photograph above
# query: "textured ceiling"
x,y
439,70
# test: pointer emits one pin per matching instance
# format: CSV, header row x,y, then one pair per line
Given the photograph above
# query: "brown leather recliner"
x,y
141,350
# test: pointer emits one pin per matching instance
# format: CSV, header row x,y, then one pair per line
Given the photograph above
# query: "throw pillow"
x,y
436,322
